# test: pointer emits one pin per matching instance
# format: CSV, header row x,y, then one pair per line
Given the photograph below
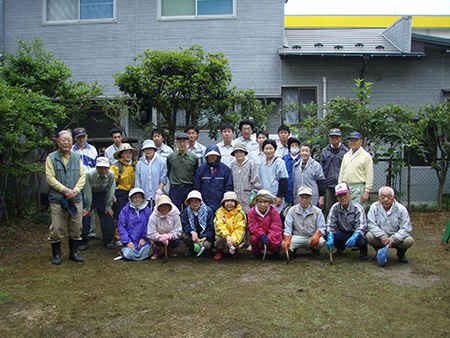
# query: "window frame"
x,y
195,16
78,20
299,90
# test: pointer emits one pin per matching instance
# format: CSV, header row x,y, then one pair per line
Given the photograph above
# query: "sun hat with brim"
x,y
355,134
102,162
341,188
135,191
264,195
148,144
193,194
239,146
212,152
304,191
229,196
163,199
123,147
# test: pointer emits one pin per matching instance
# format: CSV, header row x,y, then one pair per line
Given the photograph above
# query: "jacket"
x,y
289,161
330,161
164,224
270,224
149,176
245,179
213,185
312,176
230,223
127,177
301,222
132,224
350,220
202,230
274,178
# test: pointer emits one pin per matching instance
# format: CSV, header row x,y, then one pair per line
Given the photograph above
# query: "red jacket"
x,y
270,225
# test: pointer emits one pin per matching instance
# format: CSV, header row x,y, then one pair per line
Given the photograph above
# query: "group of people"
x,y
251,191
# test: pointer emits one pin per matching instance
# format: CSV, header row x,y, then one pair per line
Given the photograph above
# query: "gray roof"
x,y
341,42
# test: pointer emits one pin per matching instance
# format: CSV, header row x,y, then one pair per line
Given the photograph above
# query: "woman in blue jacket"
x,y
213,178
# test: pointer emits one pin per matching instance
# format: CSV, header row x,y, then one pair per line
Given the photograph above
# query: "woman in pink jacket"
x,y
265,225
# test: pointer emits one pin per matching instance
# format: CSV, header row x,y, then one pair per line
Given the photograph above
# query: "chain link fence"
x,y
423,184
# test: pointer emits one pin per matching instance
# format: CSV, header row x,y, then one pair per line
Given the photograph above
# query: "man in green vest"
x,y
65,177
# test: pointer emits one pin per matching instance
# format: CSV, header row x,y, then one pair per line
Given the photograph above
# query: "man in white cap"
x,y
389,223
304,225
99,194
347,223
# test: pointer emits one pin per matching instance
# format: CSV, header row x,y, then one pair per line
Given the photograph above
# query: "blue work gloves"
x,y
352,240
264,239
330,241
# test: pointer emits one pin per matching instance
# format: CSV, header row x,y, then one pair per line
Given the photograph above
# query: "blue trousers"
x,y
178,195
340,237
106,221
138,254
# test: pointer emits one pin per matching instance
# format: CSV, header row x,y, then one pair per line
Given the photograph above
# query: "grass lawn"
x,y
199,297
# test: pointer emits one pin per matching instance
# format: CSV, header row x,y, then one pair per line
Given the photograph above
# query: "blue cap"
x,y
355,134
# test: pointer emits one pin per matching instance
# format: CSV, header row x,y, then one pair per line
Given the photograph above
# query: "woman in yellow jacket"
x,y
230,223
125,174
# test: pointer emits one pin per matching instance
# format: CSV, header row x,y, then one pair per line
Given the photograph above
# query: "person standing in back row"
x,y
357,169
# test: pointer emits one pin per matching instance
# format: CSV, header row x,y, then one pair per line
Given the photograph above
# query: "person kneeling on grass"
x,y
132,227
304,225
229,225
265,226
198,225
164,227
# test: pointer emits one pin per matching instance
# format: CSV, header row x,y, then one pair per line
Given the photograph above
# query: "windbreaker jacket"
x,y
230,223
132,225
213,186
148,177
394,222
167,224
330,161
245,179
205,230
312,177
289,161
270,224
128,176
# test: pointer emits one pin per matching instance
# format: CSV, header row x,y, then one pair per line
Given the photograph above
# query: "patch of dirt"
x,y
403,275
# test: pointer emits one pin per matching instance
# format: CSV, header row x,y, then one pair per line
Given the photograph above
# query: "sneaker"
x,y
110,246
94,236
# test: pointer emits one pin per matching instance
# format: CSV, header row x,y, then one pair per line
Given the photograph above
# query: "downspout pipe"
x,y
2,26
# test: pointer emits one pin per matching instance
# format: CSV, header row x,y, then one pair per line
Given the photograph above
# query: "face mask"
x,y
295,151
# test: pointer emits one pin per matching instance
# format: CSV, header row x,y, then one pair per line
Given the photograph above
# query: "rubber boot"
x,y
156,252
219,254
401,256
56,251
73,255
316,253
363,253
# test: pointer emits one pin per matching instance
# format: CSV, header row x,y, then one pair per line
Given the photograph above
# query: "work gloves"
x,y
264,239
352,240
330,241
165,238
287,242
315,238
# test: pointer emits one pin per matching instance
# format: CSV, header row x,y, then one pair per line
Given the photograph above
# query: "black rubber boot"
x,y
317,254
401,256
363,253
73,255
56,252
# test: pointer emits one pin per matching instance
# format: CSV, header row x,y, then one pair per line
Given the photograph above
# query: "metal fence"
x,y
423,188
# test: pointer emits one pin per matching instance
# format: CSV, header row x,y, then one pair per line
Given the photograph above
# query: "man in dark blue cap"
x,y
181,167
357,169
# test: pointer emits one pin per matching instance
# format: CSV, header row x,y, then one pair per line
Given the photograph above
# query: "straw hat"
x,y
264,194
230,196
123,147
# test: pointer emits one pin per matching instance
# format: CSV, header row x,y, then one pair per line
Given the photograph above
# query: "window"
x,y
302,95
78,10
196,8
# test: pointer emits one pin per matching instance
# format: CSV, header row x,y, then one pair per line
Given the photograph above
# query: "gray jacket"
x,y
350,220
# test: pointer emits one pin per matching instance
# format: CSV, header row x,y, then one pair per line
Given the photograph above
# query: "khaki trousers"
x,y
62,218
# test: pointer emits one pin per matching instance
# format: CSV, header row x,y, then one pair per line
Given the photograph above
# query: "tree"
x,y
44,97
434,119
185,79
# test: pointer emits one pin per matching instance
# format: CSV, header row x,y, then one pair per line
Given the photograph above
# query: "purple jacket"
x,y
132,225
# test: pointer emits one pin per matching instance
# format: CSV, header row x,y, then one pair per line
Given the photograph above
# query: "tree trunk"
x,y
40,176
19,196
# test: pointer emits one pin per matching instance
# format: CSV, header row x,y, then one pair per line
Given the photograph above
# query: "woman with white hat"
x,y
151,173
265,225
229,224
164,227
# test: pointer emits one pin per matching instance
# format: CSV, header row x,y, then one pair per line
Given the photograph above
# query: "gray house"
x,y
98,39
